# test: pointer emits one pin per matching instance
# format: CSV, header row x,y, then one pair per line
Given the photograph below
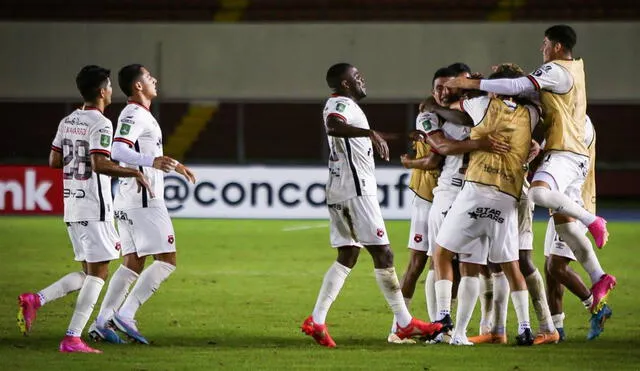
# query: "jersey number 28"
x,y
76,160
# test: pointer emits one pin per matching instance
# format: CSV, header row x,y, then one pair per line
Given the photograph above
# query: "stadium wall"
x,y
288,61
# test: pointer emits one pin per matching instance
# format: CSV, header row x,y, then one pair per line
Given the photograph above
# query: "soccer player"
x,y
143,221
81,148
558,180
354,212
483,221
558,256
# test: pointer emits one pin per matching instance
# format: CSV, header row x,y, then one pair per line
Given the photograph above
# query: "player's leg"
x,y
558,171
486,300
153,235
341,235
535,285
520,300
555,295
29,302
467,296
430,291
101,245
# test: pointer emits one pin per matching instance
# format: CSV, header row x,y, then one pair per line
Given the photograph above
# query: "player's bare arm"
x,y
456,117
431,162
164,163
445,146
102,164
336,127
55,159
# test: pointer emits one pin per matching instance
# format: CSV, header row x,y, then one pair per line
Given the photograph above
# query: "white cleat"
x,y
460,340
394,339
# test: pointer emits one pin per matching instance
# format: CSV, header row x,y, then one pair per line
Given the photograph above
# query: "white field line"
x,y
304,227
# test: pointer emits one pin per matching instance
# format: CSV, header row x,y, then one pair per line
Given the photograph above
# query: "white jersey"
x,y
477,107
139,129
351,165
552,77
454,166
87,194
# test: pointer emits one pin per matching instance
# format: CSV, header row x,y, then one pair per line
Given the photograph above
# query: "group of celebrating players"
x,y
84,147
474,142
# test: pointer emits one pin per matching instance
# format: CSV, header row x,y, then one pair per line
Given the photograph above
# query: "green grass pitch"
x,y
243,287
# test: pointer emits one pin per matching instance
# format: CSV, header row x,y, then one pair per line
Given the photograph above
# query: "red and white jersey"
x,y
139,129
552,77
87,194
454,166
351,164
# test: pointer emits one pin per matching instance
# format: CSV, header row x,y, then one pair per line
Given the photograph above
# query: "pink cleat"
x,y
72,344
600,290
598,230
29,304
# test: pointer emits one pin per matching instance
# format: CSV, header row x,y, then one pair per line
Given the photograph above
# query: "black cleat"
x,y
526,338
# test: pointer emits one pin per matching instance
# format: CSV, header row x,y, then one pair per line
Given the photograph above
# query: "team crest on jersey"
x,y
170,239
380,232
427,124
105,140
340,107
118,246
417,238
124,130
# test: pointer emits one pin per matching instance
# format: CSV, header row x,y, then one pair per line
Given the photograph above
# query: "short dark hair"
x,y
443,72
335,73
563,34
507,71
90,80
460,67
127,76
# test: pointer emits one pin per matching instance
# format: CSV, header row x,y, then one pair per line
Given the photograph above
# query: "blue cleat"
x,y
128,326
597,322
563,337
106,333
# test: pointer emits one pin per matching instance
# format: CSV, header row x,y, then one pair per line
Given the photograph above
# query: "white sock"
x,y
331,286
116,293
87,298
468,292
390,287
443,297
560,203
430,293
148,282
572,234
500,303
558,320
394,325
535,286
520,301
588,302
486,300
69,283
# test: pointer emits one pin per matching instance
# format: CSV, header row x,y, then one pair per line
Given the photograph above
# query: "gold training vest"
x,y
423,181
565,114
503,171
589,186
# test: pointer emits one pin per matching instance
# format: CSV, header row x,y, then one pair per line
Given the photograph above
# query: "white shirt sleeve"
x,y
428,122
535,116
476,108
123,153
129,129
508,86
340,108
100,136
553,77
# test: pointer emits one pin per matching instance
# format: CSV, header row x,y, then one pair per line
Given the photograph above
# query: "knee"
x,y
526,266
556,267
385,258
348,256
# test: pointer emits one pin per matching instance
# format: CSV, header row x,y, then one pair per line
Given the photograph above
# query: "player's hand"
x,y
428,105
495,144
534,150
406,161
418,136
144,183
186,172
380,145
164,163
460,82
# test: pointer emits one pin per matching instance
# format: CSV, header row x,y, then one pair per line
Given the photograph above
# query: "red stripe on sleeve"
x,y
433,132
534,82
101,151
57,149
123,140
338,116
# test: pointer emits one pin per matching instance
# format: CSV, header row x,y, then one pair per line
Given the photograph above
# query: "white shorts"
x,y
418,234
146,231
357,222
482,223
94,241
525,221
442,201
553,245
568,171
